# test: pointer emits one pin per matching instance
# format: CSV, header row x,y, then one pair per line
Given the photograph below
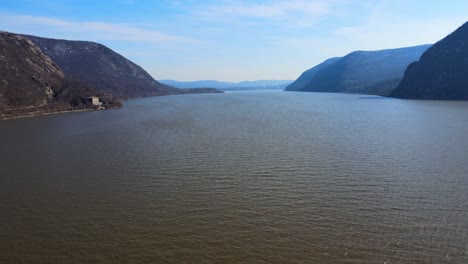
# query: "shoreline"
x,y
47,113
34,114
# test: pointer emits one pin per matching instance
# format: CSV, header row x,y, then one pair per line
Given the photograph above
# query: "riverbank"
x,y
110,103
43,113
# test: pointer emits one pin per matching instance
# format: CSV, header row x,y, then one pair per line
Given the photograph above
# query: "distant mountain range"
x,y
231,86
363,72
441,72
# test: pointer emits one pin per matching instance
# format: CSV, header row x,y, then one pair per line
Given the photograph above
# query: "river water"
x,y
246,177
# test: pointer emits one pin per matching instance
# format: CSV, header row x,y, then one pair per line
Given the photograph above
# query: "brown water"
x,y
253,177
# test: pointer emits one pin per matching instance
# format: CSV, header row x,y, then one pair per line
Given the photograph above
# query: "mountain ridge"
x,y
306,77
101,67
31,83
366,72
42,75
441,72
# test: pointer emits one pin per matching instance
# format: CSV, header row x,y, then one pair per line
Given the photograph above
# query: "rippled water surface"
x,y
250,177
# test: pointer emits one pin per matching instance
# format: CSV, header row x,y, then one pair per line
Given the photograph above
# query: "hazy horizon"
x,y
235,41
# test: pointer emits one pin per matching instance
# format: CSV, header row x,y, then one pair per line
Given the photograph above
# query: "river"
x,y
245,177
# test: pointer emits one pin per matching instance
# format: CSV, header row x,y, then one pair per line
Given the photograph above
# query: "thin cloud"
x,y
96,30
293,13
379,34
387,26
275,9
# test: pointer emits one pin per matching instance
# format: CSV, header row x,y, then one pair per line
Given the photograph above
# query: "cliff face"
x,y
101,68
28,77
442,71
306,77
365,72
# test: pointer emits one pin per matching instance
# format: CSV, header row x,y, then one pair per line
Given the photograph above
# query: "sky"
x,y
236,40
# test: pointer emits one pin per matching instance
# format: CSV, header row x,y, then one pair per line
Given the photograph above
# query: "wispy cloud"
x,y
380,34
293,13
93,29
276,9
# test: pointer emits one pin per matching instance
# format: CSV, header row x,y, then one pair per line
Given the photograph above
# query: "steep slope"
x,y
442,71
307,76
28,77
102,68
366,72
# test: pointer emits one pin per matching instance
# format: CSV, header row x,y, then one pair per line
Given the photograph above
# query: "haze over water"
x,y
252,177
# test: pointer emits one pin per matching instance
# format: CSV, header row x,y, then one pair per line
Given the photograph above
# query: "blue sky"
x,y
233,40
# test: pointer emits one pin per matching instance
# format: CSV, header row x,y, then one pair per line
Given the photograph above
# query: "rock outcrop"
x,y
28,77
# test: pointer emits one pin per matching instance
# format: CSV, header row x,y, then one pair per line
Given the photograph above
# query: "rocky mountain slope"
x,y
102,68
32,83
28,77
441,72
365,72
307,76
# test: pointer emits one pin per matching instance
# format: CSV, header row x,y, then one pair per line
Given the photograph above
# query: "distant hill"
x,y
441,72
364,72
307,76
230,86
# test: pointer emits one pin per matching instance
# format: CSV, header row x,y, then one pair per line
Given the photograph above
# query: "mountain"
x,y
365,72
307,76
230,86
31,83
40,75
102,68
441,72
